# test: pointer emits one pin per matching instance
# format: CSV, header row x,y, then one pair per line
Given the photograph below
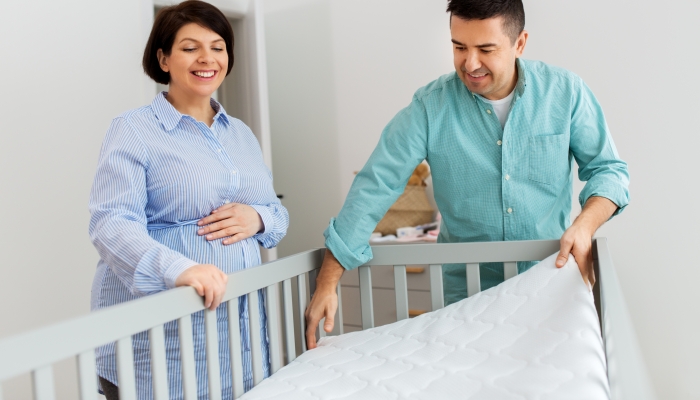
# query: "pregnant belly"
x,y
229,258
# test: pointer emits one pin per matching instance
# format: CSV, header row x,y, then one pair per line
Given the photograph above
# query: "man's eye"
x,y
486,51
459,48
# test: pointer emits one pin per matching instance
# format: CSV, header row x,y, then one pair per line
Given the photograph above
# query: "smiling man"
x,y
501,135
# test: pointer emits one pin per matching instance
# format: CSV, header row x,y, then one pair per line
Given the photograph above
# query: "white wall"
x,y
303,117
340,70
68,68
334,83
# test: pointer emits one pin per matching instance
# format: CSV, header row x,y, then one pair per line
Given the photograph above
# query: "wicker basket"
x,y
412,208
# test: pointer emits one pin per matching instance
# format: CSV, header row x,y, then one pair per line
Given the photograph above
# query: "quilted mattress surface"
x,y
535,336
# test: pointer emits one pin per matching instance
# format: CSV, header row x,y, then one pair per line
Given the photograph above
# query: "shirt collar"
x,y
519,86
170,117
522,78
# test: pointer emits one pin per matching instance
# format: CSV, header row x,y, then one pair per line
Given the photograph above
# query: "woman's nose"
x,y
205,57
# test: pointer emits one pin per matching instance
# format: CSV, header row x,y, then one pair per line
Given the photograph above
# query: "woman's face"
x,y
197,62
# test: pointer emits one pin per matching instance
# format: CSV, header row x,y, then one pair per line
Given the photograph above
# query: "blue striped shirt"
x,y
159,172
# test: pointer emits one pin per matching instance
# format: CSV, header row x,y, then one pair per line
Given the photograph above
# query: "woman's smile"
x,y
207,75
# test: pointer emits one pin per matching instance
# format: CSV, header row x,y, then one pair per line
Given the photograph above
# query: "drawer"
x,y
417,277
384,305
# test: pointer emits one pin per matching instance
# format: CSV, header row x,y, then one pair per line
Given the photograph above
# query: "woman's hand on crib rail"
x,y
239,221
324,303
209,282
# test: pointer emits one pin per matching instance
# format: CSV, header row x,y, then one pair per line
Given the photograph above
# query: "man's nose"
x,y
472,62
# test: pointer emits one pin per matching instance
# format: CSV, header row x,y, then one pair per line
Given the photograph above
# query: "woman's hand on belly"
x,y
234,221
209,282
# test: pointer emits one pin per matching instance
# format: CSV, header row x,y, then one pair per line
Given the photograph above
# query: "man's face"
x,y
484,56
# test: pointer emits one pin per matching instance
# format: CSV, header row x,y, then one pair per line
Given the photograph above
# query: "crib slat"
x,y
289,321
436,295
234,332
319,329
212,350
42,379
87,376
401,290
255,340
510,269
339,320
189,377
301,290
125,369
473,280
273,327
366,297
0,391
159,368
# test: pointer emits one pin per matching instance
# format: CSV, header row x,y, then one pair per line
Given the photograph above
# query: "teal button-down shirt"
x,y
490,183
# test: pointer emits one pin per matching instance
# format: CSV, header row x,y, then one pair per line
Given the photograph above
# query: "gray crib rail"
x,y
35,351
627,372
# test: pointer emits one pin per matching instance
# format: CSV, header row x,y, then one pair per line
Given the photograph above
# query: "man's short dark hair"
x,y
511,10
169,21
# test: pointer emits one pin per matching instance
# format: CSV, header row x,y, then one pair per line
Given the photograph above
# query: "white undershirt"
x,y
501,107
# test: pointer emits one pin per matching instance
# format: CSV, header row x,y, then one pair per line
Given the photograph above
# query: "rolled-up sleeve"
x,y
599,164
402,146
118,220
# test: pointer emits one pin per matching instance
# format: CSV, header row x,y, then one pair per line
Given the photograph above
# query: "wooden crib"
x,y
37,350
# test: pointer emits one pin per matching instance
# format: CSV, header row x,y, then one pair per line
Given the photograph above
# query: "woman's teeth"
x,y
204,74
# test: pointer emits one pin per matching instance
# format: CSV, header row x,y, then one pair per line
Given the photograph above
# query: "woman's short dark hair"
x,y
168,22
511,10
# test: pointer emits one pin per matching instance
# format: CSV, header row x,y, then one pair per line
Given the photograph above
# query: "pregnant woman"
x,y
182,197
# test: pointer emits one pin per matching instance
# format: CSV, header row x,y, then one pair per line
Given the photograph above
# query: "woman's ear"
x,y
162,60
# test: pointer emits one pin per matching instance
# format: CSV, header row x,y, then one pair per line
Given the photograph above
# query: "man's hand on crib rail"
x,y
209,282
324,303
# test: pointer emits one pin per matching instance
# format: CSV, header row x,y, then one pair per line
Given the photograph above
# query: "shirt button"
x,y
227,201
488,111
219,150
510,210
499,143
507,177
233,172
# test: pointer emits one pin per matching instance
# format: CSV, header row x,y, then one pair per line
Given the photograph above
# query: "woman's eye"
x,y
189,50
217,49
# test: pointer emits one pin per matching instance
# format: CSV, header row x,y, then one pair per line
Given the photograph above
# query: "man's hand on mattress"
x,y
233,221
209,282
324,302
577,241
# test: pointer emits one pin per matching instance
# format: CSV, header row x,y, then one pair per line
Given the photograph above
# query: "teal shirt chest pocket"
x,y
549,158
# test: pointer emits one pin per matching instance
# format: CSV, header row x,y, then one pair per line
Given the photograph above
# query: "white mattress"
x,y
535,336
